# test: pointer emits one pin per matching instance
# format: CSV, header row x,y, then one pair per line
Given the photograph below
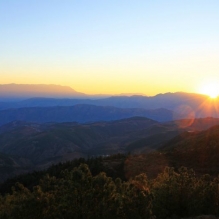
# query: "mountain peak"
x,y
37,90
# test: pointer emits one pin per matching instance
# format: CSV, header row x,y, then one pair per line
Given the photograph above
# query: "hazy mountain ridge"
x,y
23,91
80,113
167,100
188,104
162,107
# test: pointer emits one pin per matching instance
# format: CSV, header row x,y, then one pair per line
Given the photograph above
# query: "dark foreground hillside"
x,y
178,180
77,193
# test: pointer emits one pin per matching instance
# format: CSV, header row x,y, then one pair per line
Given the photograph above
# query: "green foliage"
x,y
72,190
78,194
96,165
183,194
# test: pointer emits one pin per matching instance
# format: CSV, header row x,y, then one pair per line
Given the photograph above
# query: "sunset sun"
x,y
210,89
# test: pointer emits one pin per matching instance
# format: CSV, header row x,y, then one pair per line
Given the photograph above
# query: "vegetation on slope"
x,y
77,193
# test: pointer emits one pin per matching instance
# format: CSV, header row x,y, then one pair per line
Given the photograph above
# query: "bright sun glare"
x,y
211,89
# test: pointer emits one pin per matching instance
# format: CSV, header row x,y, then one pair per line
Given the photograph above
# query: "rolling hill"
x,y
38,146
198,150
26,146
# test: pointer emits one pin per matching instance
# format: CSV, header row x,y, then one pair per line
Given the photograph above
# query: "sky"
x,y
111,46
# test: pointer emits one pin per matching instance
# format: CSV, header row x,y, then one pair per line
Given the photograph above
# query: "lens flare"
x,y
183,116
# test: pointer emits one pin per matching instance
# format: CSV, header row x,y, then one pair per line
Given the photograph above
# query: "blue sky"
x,y
110,46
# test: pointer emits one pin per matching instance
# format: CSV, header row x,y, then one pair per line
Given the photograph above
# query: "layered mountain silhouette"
x,y
80,113
45,124
41,111
186,104
168,100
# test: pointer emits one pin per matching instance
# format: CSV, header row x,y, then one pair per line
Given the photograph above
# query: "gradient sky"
x,y
110,46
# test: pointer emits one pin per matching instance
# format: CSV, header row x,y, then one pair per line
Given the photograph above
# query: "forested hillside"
x,y
72,190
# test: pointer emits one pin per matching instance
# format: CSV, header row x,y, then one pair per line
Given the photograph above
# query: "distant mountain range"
x,y
162,107
24,91
80,113
168,100
84,109
55,95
